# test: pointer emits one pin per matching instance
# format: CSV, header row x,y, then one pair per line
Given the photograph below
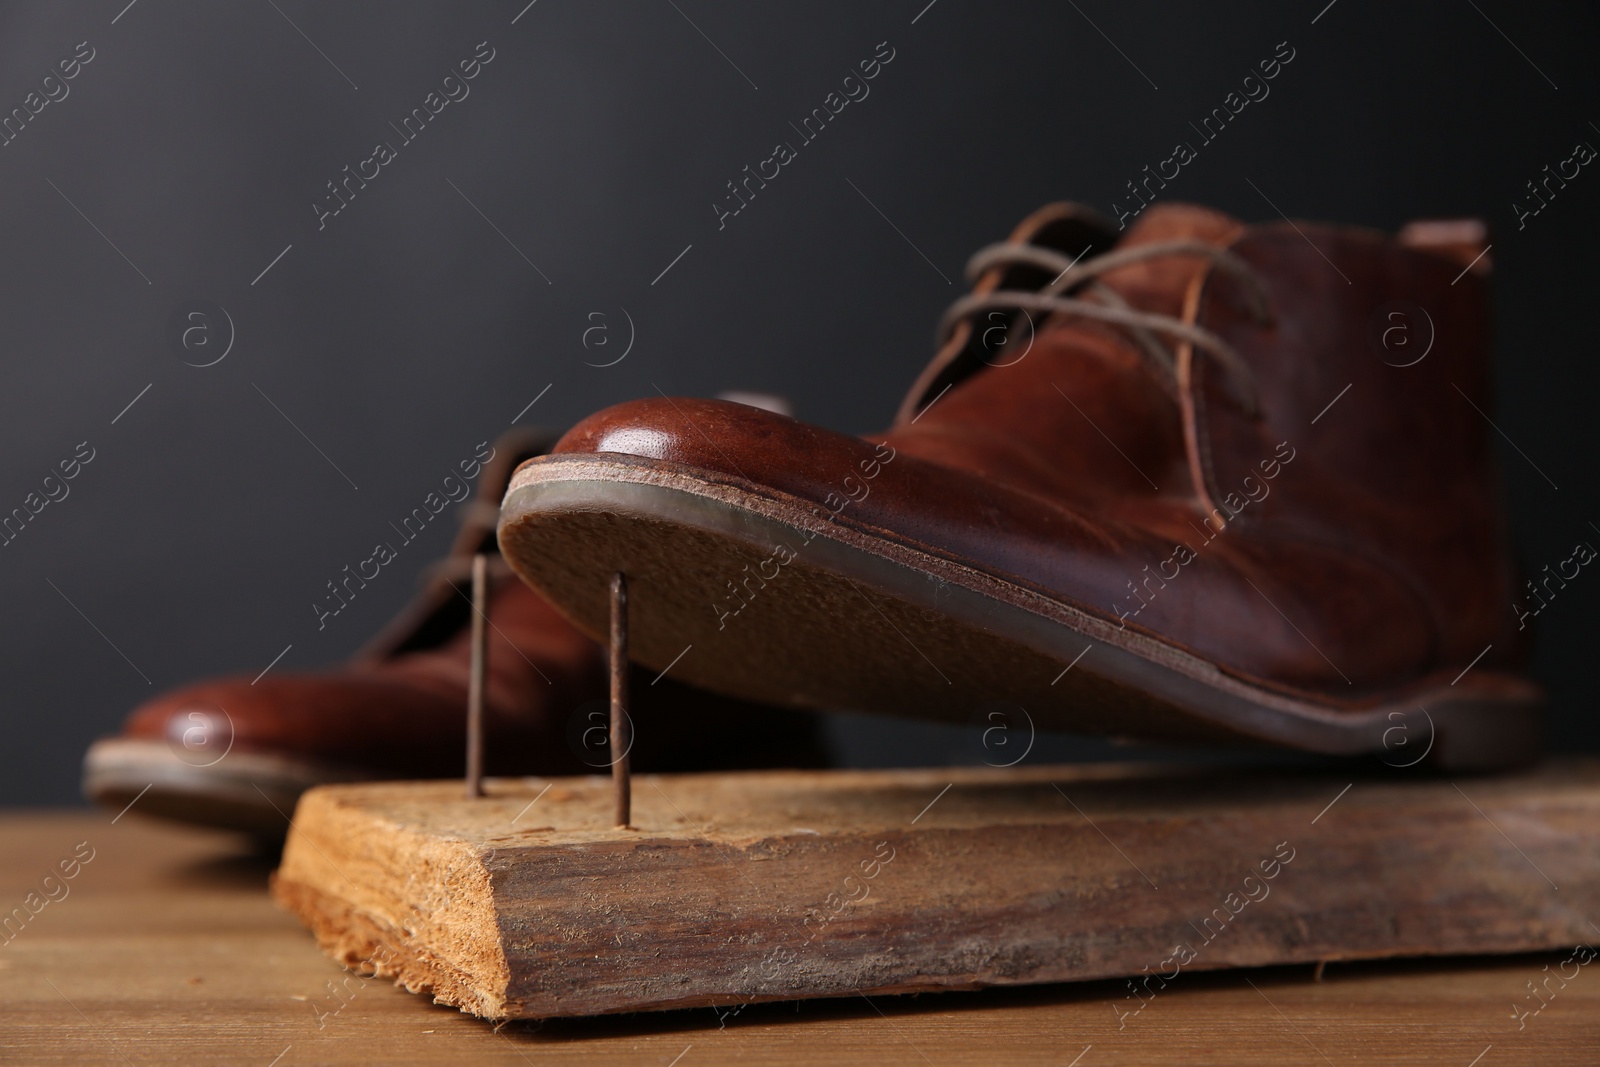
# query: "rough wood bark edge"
x,y
1004,883
355,941
438,935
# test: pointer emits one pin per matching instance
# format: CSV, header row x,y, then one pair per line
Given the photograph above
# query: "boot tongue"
x,y
1159,285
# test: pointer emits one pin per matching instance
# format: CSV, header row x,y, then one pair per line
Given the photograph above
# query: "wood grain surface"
x,y
167,950
739,888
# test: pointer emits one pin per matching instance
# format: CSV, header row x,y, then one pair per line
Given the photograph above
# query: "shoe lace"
x,y
1095,300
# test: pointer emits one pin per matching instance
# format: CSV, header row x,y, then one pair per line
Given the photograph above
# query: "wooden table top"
x,y
163,947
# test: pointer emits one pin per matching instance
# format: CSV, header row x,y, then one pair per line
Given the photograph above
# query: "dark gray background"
x,y
596,141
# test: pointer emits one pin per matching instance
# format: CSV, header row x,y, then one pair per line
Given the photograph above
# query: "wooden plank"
x,y
171,949
736,888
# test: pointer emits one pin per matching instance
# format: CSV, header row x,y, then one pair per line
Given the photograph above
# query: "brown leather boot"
x,y
237,753
1186,485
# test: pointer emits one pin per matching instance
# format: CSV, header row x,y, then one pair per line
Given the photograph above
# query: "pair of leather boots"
x,y
1190,482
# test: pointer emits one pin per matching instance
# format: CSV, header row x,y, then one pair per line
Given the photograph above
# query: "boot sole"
x,y
857,620
249,791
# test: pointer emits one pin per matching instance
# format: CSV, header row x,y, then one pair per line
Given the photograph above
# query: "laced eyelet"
x,y
1104,304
